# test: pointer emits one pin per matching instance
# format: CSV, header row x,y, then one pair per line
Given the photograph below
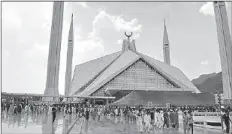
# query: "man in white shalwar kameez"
x,y
121,115
147,121
73,110
116,112
99,114
159,121
156,119
26,109
139,121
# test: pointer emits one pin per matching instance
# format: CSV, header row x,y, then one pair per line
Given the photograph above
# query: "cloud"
x,y
83,4
205,62
207,9
118,23
26,42
119,41
109,29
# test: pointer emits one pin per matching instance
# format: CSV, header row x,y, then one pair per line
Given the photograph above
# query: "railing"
x,y
212,120
208,113
209,125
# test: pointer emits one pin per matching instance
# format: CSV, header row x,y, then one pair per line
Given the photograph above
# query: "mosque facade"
x,y
118,74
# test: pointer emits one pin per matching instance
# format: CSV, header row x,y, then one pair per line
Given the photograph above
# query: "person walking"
x,y
172,119
116,112
32,110
19,108
94,113
185,121
126,116
87,112
15,109
121,115
160,120
53,113
176,116
69,113
99,114
227,120
190,120
147,121
26,109
139,121
152,114
166,119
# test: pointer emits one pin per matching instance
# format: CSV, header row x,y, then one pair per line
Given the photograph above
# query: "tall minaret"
x,y
54,51
68,74
231,19
166,48
225,47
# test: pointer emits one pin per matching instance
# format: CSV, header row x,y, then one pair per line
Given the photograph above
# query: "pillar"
x,y
54,51
166,46
225,47
68,74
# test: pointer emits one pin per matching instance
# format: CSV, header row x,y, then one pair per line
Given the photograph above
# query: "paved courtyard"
x,y
42,125
114,126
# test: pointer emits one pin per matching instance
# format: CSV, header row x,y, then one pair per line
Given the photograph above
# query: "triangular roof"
x,y
129,57
172,72
124,60
87,71
163,97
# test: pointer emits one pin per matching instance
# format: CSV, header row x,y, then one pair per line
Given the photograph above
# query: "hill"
x,y
209,82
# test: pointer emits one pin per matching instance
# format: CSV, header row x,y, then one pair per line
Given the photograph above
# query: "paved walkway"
x,y
112,126
42,125
35,124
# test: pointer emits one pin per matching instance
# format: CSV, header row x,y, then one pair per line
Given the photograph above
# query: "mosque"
x,y
124,75
120,73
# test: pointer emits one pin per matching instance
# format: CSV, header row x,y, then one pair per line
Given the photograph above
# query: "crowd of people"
x,y
146,119
152,119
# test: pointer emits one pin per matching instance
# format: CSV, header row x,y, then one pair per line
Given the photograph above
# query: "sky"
x,y
98,31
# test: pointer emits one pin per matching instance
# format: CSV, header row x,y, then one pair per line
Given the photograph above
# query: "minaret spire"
x,y
68,74
166,48
54,51
225,47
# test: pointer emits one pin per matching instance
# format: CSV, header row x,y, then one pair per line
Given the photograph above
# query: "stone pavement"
x,y
42,125
112,126
31,124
